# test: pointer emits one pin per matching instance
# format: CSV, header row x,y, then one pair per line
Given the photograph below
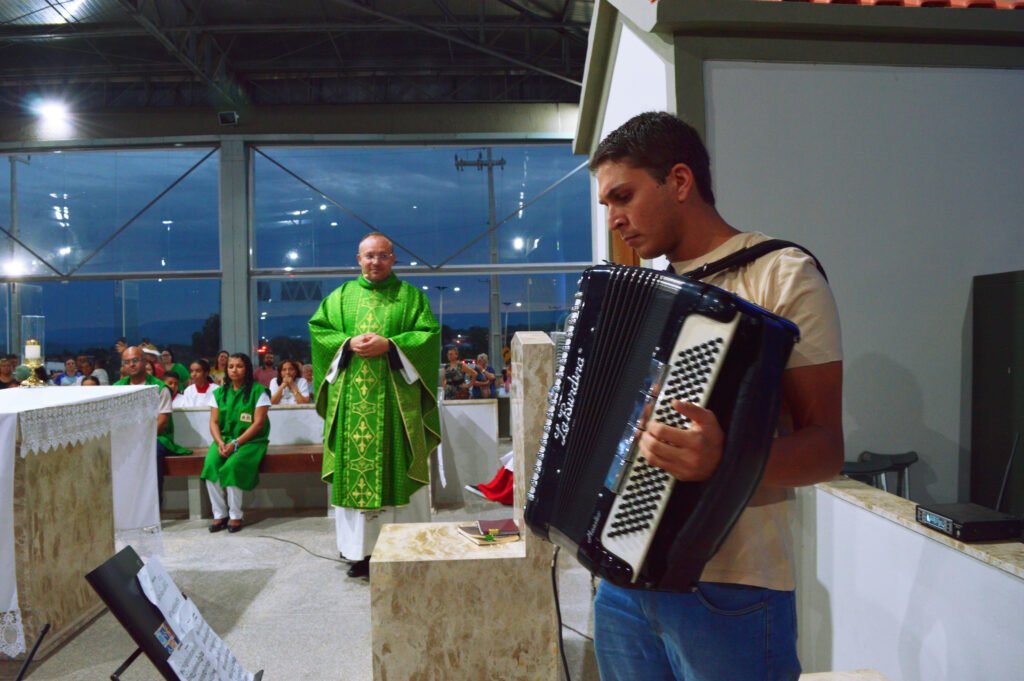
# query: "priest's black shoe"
x,y
219,525
360,568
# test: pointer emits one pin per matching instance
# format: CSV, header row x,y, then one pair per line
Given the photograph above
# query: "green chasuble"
x,y
165,438
236,410
379,430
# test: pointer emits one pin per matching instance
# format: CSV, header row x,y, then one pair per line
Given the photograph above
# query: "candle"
x,y
32,350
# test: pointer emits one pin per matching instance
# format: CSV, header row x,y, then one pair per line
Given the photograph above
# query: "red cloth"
x,y
500,489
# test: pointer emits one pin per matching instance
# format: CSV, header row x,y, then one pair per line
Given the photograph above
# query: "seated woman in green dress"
x,y
240,430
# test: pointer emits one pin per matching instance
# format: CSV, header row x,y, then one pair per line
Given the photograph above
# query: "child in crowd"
x,y
90,380
240,430
289,387
170,379
200,392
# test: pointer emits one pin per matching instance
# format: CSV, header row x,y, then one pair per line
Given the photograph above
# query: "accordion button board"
x,y
644,490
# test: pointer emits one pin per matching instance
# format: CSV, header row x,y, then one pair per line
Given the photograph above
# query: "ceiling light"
x,y
517,243
54,118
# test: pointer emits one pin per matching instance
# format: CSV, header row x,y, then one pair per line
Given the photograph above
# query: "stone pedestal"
x,y
443,608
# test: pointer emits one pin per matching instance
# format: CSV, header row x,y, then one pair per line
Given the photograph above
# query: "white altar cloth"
x,y
52,417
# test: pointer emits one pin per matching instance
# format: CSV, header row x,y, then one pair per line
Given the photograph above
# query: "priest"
x,y
376,350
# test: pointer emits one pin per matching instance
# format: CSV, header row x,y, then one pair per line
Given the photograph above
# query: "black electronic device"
x,y
970,522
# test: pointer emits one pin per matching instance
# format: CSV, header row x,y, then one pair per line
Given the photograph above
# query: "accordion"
x,y
636,340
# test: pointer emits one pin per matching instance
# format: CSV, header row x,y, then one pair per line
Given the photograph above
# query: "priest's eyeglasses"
x,y
379,257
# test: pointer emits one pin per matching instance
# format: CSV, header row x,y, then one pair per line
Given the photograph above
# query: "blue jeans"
x,y
720,632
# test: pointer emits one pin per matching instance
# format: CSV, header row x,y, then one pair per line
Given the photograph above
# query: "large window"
x,y
90,212
313,205
462,220
106,243
76,222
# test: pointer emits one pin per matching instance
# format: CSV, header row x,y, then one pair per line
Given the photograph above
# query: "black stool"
x,y
871,468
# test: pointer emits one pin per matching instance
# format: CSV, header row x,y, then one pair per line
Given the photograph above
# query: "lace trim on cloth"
x,y
12,634
45,429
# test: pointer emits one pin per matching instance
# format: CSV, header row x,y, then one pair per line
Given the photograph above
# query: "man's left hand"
x,y
692,454
369,345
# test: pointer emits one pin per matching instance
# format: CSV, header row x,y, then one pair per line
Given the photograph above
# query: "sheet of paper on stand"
x,y
198,654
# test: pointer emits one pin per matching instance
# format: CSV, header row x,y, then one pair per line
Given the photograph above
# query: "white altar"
x,y
77,483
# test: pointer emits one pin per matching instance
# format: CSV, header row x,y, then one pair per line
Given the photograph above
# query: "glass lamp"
x,y
33,333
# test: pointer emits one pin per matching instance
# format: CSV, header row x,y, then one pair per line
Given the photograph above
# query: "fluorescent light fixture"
x,y
518,243
457,289
323,206
65,250
413,263
519,304
426,288
293,256
334,224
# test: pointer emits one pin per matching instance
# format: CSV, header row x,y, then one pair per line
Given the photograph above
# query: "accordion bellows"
x,y
636,340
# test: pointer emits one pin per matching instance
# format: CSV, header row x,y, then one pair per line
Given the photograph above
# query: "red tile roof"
x,y
950,4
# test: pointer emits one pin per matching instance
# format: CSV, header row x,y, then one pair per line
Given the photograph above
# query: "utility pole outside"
x,y
494,305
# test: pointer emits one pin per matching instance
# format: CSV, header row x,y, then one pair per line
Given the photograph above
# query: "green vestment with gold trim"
x,y
379,430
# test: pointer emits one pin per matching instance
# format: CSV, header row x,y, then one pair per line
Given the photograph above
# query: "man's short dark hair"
x,y
655,141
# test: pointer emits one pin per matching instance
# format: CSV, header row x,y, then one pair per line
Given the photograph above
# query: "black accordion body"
x,y
637,339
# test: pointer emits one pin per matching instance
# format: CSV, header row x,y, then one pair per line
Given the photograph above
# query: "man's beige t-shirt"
x,y
759,549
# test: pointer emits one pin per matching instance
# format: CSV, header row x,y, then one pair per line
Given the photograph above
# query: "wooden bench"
x,y
279,459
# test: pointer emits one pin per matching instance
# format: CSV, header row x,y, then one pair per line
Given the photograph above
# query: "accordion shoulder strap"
x,y
749,254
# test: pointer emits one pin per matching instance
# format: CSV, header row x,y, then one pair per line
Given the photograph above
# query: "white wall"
x,y
642,79
873,594
906,182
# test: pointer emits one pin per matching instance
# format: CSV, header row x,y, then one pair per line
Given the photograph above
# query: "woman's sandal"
x,y
219,525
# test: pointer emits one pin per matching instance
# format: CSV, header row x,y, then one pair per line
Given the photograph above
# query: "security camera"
x,y
227,117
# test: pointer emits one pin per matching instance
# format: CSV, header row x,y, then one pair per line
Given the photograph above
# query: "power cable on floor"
x,y
558,611
317,555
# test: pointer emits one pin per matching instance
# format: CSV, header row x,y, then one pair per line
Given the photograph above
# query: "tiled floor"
x,y
278,595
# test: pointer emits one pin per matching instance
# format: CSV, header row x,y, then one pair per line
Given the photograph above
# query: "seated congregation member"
x,y
200,392
219,372
267,371
240,430
171,381
90,380
133,370
70,375
482,380
87,367
152,357
167,360
289,387
307,373
7,377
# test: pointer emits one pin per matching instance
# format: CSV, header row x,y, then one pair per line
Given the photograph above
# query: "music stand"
x,y
116,584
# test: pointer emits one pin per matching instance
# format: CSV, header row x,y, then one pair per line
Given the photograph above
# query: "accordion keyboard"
x,y
644,492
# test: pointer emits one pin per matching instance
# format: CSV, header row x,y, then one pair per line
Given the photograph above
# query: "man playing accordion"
x,y
653,174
